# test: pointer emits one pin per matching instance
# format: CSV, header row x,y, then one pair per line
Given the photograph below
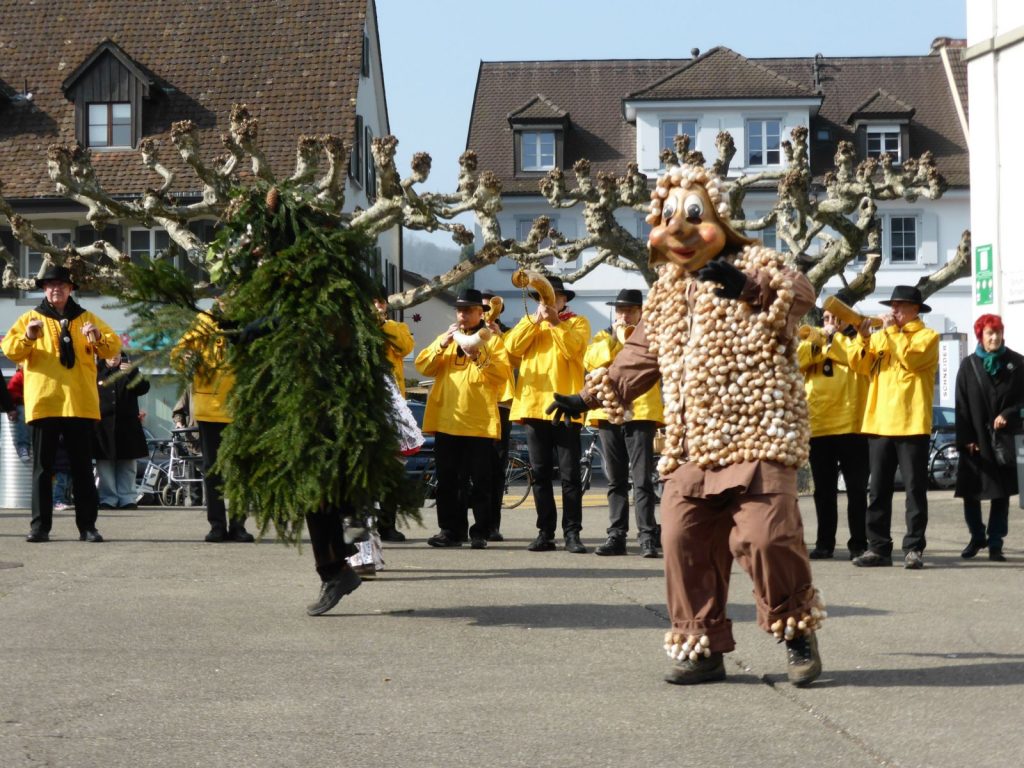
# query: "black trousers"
x,y
545,441
498,472
327,538
910,454
464,469
628,452
830,455
998,521
210,433
78,436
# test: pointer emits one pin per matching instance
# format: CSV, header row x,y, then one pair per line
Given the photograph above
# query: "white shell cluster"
x,y
732,388
807,624
686,176
689,647
598,384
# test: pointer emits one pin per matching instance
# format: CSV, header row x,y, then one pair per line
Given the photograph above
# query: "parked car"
x,y
415,464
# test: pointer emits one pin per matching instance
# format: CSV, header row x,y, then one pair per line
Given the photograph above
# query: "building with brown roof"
x,y
531,116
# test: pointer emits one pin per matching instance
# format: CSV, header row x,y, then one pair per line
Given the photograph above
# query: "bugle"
x,y
623,332
471,342
812,334
527,278
848,316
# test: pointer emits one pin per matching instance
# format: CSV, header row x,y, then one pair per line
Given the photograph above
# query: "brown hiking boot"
x,y
703,670
804,660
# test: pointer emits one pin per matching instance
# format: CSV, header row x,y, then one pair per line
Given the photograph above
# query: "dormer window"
x,y
538,130
884,140
537,150
110,125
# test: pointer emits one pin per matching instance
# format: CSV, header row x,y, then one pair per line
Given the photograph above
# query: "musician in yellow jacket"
x,y
211,387
57,344
469,374
399,337
504,408
627,449
550,345
900,361
835,401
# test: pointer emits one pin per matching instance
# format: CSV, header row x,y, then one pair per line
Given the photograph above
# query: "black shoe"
x,y
495,536
478,543
704,670
391,534
574,545
543,543
93,536
804,660
872,560
216,536
996,555
820,554
332,591
37,538
647,548
442,539
973,548
855,553
129,505
104,505
241,535
616,545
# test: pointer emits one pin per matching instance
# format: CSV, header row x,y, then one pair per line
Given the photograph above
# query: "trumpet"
x,y
846,315
623,332
812,334
524,278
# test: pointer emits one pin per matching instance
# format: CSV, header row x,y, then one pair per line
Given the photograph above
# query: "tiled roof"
x,y
592,93
721,73
881,104
540,107
207,55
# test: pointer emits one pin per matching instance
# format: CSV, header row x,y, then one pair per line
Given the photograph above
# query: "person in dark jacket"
x,y
989,398
120,440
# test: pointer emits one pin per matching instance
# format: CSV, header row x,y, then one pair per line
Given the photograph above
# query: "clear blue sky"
x,y
433,48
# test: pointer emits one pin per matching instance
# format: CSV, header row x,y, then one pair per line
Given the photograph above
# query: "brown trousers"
x,y
701,538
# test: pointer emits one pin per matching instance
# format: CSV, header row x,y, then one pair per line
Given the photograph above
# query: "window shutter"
x,y
355,165
371,170
113,235
928,250
85,235
10,242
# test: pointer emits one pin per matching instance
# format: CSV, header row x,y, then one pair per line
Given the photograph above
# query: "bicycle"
x,y
518,482
943,461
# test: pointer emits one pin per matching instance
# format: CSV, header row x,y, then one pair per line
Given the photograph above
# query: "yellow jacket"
x,y
602,350
551,360
51,390
835,393
900,364
209,392
400,344
464,398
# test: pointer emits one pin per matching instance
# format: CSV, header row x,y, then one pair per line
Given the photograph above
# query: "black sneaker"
x,y
442,539
709,669
543,543
820,554
241,535
391,534
648,548
478,543
872,560
91,536
332,591
216,536
37,538
574,545
804,661
616,545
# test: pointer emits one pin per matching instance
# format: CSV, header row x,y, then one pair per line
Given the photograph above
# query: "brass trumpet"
x,y
846,315
527,278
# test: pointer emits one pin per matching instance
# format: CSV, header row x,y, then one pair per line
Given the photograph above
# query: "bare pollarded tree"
x,y
826,225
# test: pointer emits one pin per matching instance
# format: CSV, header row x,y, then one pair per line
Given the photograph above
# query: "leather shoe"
x,y
820,554
973,547
478,543
241,535
332,591
37,538
543,543
996,555
616,545
703,670
216,536
391,534
872,560
648,548
495,536
92,536
574,545
442,539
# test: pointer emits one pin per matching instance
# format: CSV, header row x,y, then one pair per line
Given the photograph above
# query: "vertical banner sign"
x,y
951,352
982,275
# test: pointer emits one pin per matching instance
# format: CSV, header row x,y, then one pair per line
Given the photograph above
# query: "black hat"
x,y
469,297
628,297
558,287
53,272
907,293
487,293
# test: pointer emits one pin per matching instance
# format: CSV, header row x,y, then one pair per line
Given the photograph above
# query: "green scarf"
x,y
991,361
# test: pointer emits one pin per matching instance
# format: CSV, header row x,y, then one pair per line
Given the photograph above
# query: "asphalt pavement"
x,y
157,649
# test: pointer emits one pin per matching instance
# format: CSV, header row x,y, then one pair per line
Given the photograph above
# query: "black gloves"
x,y
731,279
566,408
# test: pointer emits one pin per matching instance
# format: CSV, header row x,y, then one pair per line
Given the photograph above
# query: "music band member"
x,y
504,408
470,369
550,345
627,449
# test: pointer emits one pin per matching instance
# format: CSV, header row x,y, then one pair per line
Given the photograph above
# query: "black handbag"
x,y
1000,440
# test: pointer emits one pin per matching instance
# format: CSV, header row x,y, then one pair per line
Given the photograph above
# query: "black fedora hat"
x,y
53,272
909,294
558,287
469,297
628,297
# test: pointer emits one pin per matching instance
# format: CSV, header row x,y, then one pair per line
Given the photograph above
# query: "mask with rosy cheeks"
x,y
690,233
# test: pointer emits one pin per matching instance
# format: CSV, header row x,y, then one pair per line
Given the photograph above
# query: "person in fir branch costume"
x,y
719,327
312,438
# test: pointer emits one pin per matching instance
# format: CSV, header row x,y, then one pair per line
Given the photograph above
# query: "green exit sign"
x,y
983,275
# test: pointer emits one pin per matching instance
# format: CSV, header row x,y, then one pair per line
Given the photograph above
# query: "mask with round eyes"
x,y
689,233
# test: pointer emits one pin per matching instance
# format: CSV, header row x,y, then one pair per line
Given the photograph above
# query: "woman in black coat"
x,y
119,436
989,398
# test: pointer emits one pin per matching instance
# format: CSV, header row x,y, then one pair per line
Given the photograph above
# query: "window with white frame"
x,y
883,140
763,142
902,239
536,150
147,243
33,260
523,227
672,128
110,125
